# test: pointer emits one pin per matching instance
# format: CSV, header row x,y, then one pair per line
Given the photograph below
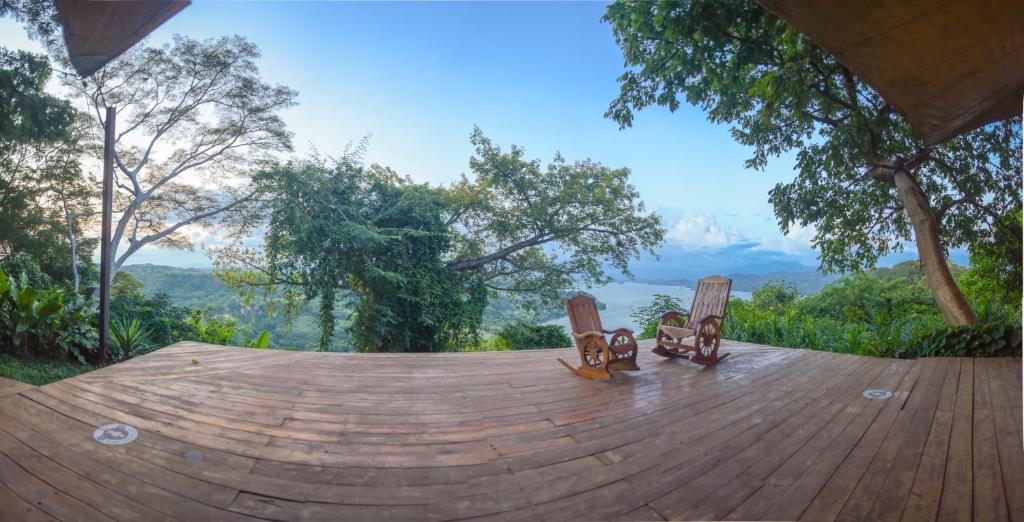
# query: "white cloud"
x,y
797,241
702,230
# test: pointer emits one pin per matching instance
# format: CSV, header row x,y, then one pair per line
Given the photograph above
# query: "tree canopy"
x,y
195,120
421,261
44,202
864,181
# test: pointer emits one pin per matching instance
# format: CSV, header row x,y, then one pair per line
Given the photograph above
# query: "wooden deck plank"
x,y
11,387
767,434
989,493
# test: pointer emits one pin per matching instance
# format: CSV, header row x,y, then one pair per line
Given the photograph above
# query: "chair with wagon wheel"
x,y
702,326
599,356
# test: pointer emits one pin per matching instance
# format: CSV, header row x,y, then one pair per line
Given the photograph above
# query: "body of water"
x,y
623,298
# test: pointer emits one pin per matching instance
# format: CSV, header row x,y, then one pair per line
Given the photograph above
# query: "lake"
x,y
623,298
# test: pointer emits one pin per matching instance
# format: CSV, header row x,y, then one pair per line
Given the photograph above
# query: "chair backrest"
x,y
583,314
711,298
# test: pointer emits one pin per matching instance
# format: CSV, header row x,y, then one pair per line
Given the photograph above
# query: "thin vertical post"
x,y
105,253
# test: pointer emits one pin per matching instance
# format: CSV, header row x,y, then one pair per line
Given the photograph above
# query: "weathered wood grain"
x,y
769,434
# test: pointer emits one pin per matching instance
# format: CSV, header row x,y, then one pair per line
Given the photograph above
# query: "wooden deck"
x,y
232,433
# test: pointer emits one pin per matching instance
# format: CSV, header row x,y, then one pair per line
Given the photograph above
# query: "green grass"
x,y
39,372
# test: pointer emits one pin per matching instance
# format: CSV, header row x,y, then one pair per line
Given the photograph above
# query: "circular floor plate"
x,y
877,394
115,434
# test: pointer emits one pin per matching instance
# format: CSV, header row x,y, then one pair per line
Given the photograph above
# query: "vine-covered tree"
x,y
419,262
194,120
43,199
864,181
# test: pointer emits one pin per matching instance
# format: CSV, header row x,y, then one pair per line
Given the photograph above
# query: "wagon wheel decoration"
x,y
593,354
621,339
707,339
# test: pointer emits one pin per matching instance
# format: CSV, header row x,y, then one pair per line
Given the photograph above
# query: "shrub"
x,y
212,329
774,295
49,323
129,340
993,339
24,265
650,315
520,336
166,323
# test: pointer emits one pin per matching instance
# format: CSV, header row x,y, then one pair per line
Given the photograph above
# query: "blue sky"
x,y
417,77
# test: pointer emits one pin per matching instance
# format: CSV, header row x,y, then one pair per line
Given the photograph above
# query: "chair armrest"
x,y
584,335
713,317
618,330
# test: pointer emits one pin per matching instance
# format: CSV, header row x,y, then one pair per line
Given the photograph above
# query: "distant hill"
x,y
805,282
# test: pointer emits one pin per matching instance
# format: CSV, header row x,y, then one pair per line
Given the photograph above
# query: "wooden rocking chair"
x,y
703,324
598,356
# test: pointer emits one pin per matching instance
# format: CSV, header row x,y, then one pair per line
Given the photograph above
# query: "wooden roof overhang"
x,y
948,66
97,31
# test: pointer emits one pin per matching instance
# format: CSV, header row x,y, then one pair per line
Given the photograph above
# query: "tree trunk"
x,y
948,296
73,243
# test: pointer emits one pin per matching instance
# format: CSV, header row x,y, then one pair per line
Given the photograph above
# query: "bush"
x,y
522,336
48,323
218,329
650,315
166,323
774,295
22,265
995,339
129,340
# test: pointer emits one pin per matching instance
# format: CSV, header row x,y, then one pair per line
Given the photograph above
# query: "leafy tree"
x,y
774,295
339,229
660,304
419,261
194,119
649,316
124,283
513,209
164,323
991,281
41,190
864,180
522,336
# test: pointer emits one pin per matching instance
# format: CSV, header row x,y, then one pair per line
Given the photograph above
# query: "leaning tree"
x,y
194,121
864,181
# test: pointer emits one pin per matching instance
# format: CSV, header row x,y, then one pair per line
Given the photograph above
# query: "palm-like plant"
x,y
130,340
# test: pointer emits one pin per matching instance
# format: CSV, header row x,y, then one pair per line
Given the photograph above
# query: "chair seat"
x,y
676,331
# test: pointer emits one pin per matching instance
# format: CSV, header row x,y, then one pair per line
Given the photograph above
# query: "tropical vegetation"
x,y
886,312
357,256
865,184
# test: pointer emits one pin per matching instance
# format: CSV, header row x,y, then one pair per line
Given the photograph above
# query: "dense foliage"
x,y
864,181
650,315
37,371
523,336
165,322
47,323
887,312
420,263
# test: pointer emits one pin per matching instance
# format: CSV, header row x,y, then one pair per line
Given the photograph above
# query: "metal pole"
x,y
105,253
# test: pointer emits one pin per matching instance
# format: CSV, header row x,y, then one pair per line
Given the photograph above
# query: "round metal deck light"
x,y
115,434
193,456
877,394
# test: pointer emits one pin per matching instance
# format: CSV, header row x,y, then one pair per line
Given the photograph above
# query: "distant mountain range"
x,y
807,282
